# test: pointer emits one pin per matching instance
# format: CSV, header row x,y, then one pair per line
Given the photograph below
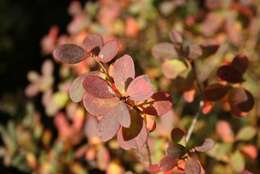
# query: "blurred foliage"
x,y
50,137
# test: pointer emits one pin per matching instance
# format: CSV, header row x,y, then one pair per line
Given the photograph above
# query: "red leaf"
x,y
135,126
215,91
97,87
135,143
192,166
122,71
177,134
108,126
69,53
91,127
240,62
230,74
224,131
76,90
164,50
108,51
123,115
207,145
167,163
154,168
176,37
176,150
93,41
140,88
99,106
161,105
241,101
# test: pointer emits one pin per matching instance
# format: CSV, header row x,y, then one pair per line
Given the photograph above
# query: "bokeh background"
x,y
43,132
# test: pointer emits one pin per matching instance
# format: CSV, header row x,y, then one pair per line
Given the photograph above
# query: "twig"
x,y
149,152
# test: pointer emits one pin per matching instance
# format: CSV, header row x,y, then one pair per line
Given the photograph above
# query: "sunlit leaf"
x,y
123,115
194,51
173,68
215,91
246,133
161,105
164,50
167,163
108,51
237,161
97,87
93,41
140,88
192,166
76,90
99,106
154,168
207,145
69,53
108,126
91,127
230,74
122,71
224,131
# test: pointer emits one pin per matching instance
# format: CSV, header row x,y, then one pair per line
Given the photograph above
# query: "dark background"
x,y
22,25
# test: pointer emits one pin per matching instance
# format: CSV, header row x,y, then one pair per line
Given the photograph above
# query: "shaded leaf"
x,y
215,91
209,49
164,50
122,71
93,41
177,134
241,101
240,63
173,68
207,145
161,105
108,51
97,87
176,150
230,74
194,51
140,88
135,126
76,90
69,53
192,166
167,163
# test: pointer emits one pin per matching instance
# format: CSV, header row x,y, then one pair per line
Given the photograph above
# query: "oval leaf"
x,y
230,74
192,166
69,53
167,163
164,51
215,91
140,88
122,71
93,41
76,90
240,62
174,68
97,87
177,134
207,145
108,51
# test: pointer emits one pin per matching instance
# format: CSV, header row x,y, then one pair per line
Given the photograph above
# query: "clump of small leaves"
x,y
116,99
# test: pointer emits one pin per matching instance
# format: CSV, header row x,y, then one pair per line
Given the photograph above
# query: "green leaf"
x,y
237,162
246,133
174,68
